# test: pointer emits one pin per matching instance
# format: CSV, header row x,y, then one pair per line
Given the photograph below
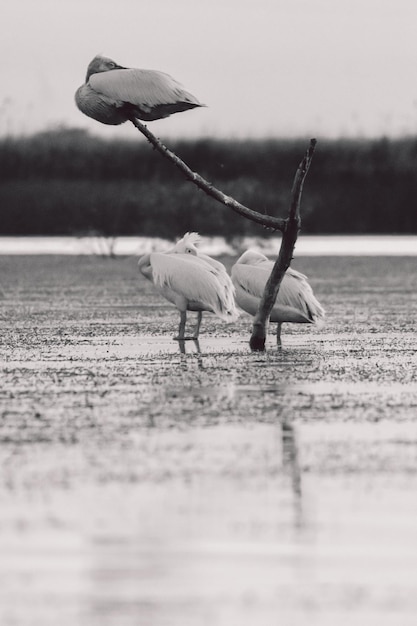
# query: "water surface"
x,y
307,245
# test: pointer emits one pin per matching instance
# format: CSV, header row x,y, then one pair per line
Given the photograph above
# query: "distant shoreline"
x,y
307,245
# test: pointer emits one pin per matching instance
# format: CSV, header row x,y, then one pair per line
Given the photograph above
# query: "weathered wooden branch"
x,y
289,227
276,223
289,237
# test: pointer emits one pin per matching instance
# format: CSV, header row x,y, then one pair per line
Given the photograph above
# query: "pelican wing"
x,y
294,288
294,292
146,89
298,293
228,288
189,242
195,280
250,278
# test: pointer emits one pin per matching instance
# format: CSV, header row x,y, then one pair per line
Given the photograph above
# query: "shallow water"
x,y
248,528
145,482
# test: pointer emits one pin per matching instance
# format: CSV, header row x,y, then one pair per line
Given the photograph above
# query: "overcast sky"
x,y
281,68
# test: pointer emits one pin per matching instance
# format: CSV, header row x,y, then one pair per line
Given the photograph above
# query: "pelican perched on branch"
x,y
192,281
295,301
113,94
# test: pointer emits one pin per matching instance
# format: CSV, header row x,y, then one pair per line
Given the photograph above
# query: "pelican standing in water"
x,y
295,301
192,281
113,94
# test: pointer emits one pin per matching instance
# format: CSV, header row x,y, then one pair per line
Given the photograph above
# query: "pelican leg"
x,y
197,326
182,344
197,346
181,328
279,344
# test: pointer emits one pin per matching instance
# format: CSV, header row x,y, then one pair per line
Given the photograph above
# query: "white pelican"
x,y
192,281
112,94
295,301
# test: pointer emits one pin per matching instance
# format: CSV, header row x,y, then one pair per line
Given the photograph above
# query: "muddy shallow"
x,y
143,484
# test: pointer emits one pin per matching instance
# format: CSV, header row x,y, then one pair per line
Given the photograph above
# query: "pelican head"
x,y
252,257
101,64
187,245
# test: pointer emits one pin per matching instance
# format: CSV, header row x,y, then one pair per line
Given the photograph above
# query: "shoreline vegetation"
x,y
68,182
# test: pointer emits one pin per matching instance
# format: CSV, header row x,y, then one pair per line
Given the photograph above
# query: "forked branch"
x,y
276,223
289,227
289,237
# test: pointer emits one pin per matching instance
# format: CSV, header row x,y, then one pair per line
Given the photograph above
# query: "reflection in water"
x,y
206,536
284,360
210,531
183,342
212,541
290,459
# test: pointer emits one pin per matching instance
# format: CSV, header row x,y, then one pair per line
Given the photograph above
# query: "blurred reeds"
x,y
66,181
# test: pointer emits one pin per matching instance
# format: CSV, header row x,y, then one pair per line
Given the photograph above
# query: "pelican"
x,y
113,94
192,281
295,301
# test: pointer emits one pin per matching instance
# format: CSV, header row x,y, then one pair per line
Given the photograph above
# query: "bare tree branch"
x,y
276,223
289,237
289,227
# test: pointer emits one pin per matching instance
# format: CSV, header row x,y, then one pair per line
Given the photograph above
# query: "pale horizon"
x,y
284,68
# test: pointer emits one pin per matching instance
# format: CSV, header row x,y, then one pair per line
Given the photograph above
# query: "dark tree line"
x,y
68,182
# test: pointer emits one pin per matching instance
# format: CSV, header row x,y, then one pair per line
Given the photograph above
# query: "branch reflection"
x,y
291,463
